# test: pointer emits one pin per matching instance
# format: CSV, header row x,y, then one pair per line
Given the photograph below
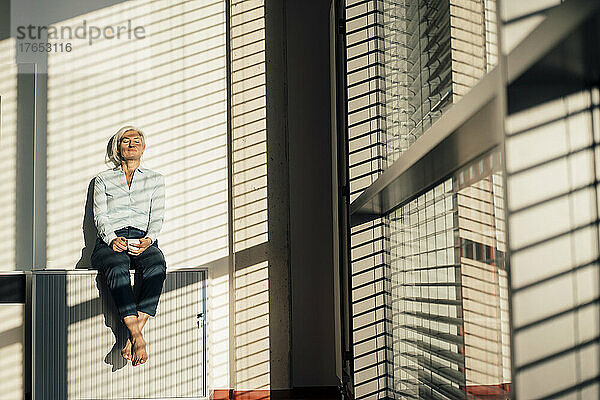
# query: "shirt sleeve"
x,y
157,209
101,212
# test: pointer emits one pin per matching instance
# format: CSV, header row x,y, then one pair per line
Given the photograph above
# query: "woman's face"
x,y
132,146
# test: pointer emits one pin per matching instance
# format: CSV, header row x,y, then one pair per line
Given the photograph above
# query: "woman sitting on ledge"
x,y
129,204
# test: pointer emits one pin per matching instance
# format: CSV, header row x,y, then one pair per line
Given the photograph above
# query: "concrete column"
x,y
278,197
24,235
310,180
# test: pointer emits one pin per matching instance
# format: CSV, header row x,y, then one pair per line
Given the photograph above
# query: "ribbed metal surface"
x,y
77,339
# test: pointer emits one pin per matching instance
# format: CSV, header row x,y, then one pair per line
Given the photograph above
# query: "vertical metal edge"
x,y
40,337
387,300
386,224
204,366
34,225
344,205
64,337
502,109
594,128
30,334
337,292
49,287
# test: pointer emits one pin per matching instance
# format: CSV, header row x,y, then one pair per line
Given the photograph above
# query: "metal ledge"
x,y
559,57
467,130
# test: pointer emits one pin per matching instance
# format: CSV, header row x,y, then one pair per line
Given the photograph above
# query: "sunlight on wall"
x,y
11,316
250,224
8,150
252,327
520,18
248,81
171,84
218,329
554,246
11,350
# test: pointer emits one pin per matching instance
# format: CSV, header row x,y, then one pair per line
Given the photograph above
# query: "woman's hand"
x,y
137,249
119,244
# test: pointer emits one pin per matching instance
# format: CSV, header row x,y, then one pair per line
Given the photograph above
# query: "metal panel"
x,y
77,338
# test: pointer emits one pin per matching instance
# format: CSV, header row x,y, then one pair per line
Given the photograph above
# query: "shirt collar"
x,y
140,168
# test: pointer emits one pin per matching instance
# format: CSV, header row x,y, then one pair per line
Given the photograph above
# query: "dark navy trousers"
x,y
150,266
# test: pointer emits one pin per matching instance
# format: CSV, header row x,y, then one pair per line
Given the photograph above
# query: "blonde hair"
x,y
113,153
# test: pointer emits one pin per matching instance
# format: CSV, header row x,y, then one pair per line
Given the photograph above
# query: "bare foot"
x,y
126,352
138,351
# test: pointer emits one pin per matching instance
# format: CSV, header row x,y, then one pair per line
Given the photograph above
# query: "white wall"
x,y
250,279
553,237
171,84
8,152
12,335
552,197
11,315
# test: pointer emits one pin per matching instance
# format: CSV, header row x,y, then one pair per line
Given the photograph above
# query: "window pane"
x,y
456,341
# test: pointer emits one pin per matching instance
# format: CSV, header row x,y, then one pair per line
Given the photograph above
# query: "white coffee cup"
x,y
130,241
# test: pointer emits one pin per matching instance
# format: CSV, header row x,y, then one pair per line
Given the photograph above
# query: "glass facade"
x,y
418,69
407,63
489,275
449,289
366,157
434,52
